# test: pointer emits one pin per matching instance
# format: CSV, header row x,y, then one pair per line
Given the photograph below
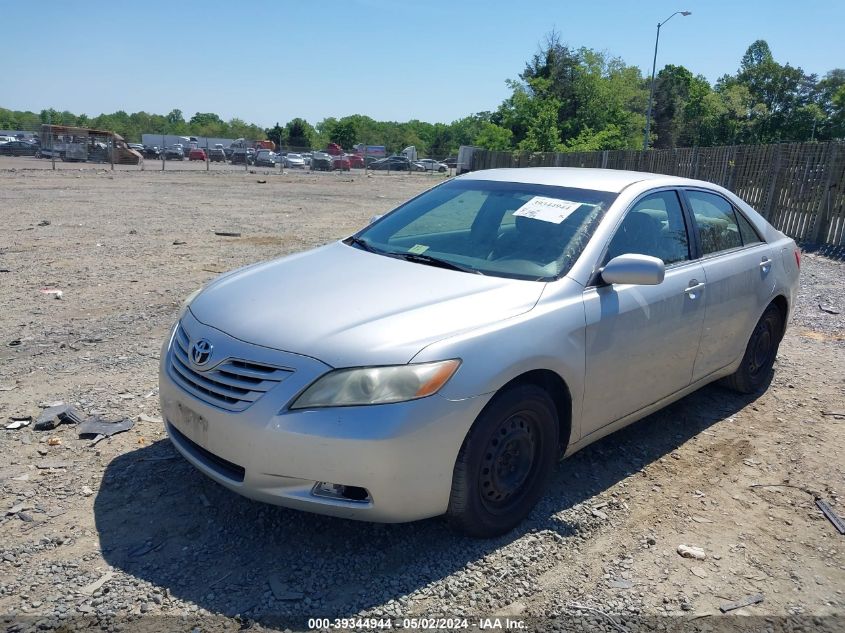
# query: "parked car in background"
x,y
432,165
320,161
18,148
138,147
356,161
217,155
174,152
396,163
294,161
341,163
264,158
151,151
450,161
560,305
306,156
197,154
228,151
241,156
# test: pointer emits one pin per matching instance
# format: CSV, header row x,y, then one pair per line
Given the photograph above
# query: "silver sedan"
x,y
441,360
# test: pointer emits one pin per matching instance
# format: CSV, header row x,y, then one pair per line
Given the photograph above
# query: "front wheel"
x,y
756,367
504,463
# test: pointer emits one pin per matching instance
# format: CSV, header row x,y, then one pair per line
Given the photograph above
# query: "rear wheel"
x,y
504,463
759,358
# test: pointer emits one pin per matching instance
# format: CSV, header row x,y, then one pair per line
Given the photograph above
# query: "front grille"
x,y
232,385
215,462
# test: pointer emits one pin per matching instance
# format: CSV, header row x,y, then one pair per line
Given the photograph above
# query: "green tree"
x,y
277,134
299,133
494,137
344,134
671,94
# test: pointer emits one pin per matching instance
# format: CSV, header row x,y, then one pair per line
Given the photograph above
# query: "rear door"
x,y
738,269
641,341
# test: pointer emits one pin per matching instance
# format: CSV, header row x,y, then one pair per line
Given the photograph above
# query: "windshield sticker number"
x,y
418,249
547,209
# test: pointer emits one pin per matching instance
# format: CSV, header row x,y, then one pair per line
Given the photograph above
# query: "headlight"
x,y
187,302
376,385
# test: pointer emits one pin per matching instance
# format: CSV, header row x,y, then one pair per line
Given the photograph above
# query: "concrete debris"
x,y
688,551
90,589
828,309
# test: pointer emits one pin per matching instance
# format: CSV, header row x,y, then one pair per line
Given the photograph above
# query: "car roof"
x,y
612,180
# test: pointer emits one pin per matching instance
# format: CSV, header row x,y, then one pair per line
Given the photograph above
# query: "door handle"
x,y
693,289
766,264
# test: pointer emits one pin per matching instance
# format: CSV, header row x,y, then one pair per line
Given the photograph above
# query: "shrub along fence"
x,y
798,187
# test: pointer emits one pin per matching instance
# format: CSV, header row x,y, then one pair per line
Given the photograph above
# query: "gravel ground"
x,y
125,535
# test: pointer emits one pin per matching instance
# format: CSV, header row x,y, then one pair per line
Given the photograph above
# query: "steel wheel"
x,y
510,457
760,353
504,462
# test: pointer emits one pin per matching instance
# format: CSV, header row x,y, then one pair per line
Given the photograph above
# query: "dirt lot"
x,y
174,551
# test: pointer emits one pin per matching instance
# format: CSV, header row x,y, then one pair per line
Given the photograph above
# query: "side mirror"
x,y
641,270
375,218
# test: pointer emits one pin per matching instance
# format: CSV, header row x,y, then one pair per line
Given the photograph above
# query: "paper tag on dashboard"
x,y
547,209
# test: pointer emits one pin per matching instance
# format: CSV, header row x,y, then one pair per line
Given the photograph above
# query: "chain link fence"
x,y
65,147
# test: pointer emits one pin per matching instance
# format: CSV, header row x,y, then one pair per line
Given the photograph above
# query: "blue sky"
x,y
434,60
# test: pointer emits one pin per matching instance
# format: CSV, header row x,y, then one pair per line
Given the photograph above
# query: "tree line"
x,y
566,99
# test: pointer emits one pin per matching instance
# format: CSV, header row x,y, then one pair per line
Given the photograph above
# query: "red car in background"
x,y
341,162
196,154
356,161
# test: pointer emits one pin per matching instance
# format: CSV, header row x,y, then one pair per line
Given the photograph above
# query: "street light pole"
x,y
653,70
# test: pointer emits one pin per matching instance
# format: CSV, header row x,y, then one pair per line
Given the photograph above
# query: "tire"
x,y
756,367
504,463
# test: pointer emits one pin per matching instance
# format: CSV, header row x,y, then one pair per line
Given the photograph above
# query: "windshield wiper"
x,y
364,244
434,261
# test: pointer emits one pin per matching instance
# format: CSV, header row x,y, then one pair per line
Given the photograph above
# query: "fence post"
x,y
604,159
822,212
770,196
111,150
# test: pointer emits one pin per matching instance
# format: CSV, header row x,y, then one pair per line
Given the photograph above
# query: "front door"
x,y
641,341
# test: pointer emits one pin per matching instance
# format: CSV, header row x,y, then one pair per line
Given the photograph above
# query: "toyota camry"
x,y
441,360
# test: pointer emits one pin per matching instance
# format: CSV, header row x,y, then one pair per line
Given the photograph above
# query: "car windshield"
x,y
504,229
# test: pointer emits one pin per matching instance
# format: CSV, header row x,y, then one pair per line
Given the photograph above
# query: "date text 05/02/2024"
x,y
417,624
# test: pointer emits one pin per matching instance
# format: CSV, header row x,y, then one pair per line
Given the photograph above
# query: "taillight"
x,y
798,258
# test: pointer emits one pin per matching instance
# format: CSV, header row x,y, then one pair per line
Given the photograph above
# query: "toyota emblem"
x,y
201,352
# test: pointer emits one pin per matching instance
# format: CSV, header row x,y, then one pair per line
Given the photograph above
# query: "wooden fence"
x,y
798,187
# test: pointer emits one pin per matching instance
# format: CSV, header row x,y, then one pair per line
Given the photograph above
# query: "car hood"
x,y
348,307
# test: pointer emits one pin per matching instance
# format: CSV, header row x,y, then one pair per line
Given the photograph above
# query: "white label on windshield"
x,y
547,209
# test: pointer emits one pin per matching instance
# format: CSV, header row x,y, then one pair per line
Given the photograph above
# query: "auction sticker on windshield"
x,y
547,209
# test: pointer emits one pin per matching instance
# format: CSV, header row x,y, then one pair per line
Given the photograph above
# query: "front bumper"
x,y
402,454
